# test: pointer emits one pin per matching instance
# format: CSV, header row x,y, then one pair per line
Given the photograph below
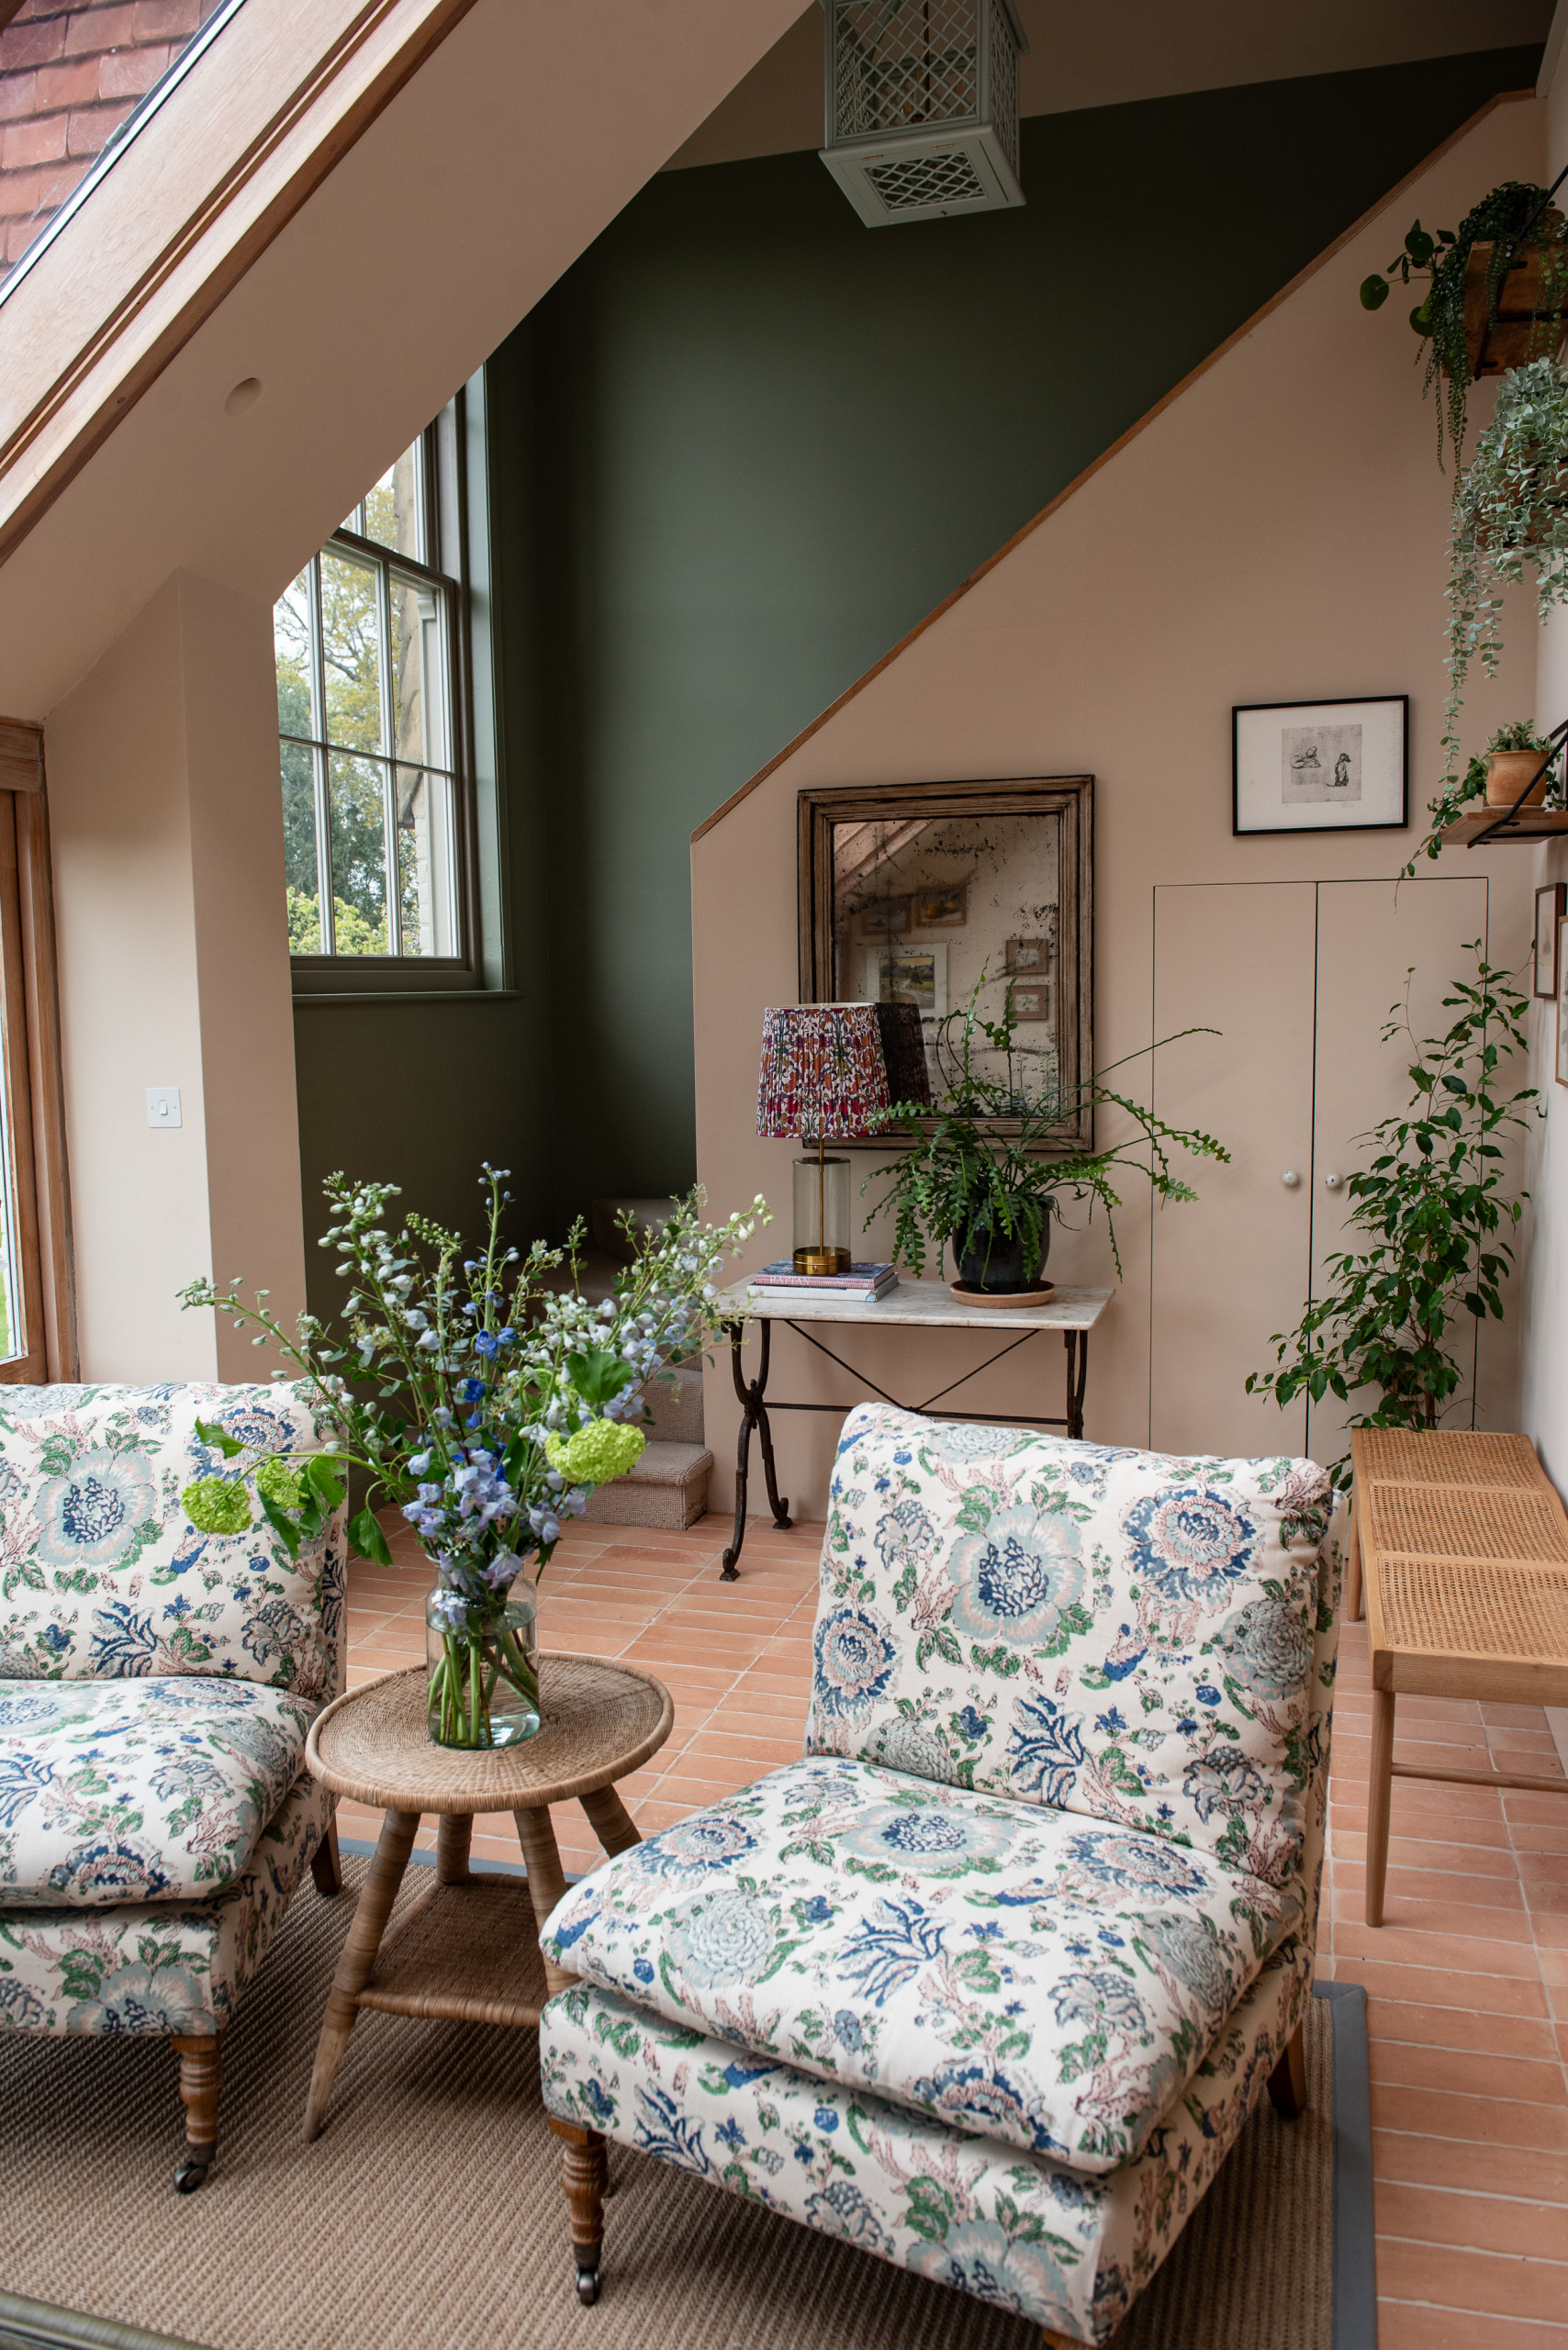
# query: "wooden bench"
x,y
1462,1549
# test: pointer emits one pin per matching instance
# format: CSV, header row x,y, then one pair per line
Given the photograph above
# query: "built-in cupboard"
x,y
1296,977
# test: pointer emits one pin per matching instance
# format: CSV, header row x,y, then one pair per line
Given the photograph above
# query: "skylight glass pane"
x,y
65,128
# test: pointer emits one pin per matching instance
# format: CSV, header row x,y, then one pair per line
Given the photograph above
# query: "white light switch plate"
x,y
163,1105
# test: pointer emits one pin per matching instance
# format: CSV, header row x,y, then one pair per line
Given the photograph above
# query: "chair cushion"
x,y
146,1790
1121,1634
1002,1967
102,1574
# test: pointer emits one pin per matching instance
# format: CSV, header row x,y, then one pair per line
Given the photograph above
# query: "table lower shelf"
x,y
468,1952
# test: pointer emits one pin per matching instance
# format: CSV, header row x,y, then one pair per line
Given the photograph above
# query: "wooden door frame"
x,y
29,1040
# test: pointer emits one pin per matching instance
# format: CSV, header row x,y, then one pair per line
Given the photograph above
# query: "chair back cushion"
x,y
1123,1634
102,1574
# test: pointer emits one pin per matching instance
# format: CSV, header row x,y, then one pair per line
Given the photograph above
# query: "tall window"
x,y
367,716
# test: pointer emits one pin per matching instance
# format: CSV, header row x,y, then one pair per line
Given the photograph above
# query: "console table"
x,y
913,1305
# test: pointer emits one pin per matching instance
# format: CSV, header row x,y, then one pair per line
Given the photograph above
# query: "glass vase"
x,y
483,1673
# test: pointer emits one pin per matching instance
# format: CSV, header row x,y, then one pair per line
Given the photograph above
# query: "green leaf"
x,y
285,1528
365,1534
211,1433
598,1374
323,1474
1375,292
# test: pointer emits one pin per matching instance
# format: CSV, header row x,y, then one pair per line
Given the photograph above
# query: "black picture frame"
x,y
1252,788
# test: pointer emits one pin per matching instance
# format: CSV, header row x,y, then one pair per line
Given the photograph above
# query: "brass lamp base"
x,y
822,1260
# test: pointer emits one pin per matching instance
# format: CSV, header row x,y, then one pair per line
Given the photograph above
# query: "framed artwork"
x,y
941,909
916,975
1320,766
1551,905
1029,1002
1562,1004
885,916
998,877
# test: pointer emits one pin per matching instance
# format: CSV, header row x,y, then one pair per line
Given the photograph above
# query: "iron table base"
x,y
756,1408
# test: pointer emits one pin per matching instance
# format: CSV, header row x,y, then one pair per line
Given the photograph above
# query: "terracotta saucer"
x,y
972,1296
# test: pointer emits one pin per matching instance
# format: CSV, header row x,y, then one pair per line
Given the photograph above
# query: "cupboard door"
x,y
1233,1265
1368,942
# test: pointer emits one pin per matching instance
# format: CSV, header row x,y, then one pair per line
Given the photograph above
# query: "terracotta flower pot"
x,y
1508,772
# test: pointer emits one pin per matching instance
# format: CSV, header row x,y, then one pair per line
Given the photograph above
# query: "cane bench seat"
x,y
1465,1580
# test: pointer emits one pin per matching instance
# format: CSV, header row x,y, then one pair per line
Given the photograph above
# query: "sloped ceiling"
x,y
1103,56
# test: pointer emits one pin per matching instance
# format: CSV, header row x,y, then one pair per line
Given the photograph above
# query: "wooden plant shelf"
x,y
1529,824
1525,327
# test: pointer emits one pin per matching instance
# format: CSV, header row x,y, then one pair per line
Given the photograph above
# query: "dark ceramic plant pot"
x,y
994,1262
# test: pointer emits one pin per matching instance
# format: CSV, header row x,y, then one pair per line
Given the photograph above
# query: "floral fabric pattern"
x,y
159,1967
1019,2230
102,1575
1119,1634
1047,1981
131,1791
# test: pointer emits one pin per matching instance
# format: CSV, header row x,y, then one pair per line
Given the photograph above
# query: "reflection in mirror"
x,y
924,893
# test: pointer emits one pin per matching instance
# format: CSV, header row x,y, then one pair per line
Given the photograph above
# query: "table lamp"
x,y
827,1070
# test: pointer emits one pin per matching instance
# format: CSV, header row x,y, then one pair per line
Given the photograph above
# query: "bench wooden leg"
x,y
1380,1798
1287,2082
200,2078
583,2172
1353,1567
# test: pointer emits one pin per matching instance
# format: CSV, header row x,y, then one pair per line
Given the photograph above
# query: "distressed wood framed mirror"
x,y
920,892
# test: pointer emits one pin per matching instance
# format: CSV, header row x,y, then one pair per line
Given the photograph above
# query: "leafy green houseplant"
x,y
975,1176
1516,221
1431,1215
1472,787
482,1401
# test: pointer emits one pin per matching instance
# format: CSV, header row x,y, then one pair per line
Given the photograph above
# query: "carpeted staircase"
x,y
668,1488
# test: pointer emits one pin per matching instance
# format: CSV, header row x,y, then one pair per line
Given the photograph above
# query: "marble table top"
x,y
925,1304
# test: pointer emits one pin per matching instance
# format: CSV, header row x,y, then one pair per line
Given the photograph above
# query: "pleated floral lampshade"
x,y
828,1069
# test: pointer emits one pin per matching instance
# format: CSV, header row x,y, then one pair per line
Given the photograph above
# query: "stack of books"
x,y
866,1282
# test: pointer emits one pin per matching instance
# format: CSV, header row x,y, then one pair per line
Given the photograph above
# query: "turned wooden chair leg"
x,y
1287,2082
200,2078
1380,1799
583,2169
1051,2340
326,1861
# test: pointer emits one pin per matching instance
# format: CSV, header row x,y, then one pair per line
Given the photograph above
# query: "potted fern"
x,y
977,1176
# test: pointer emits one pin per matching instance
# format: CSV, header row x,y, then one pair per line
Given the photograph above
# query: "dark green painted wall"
x,y
740,449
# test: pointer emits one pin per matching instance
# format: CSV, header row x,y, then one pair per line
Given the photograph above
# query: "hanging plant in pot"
x,y
1496,293
1495,780
976,1178
484,1402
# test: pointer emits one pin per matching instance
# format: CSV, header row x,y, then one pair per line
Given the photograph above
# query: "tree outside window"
x,y
366,721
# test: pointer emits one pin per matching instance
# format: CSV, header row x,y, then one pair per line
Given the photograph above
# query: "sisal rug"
x,y
430,2214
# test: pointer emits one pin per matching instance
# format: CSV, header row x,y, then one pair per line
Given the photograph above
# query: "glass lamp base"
x,y
821,1215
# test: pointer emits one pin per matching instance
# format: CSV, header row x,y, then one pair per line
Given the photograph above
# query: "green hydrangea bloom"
x,y
278,1484
218,1505
605,1448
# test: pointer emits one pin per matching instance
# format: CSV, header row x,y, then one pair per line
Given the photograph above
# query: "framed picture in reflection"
x,y
1551,905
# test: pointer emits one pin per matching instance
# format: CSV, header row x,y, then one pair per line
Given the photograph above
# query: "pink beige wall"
x,y
1276,533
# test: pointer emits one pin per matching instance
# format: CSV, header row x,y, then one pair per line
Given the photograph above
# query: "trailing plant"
x,y
1514,219
1453,799
1509,511
977,1166
1431,1212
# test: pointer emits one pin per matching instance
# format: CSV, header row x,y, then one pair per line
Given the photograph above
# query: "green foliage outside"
x,y
1431,1211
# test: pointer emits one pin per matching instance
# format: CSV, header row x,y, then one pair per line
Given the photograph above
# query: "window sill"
x,y
393,996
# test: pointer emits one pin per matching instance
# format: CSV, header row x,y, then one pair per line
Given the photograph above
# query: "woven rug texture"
x,y
430,2214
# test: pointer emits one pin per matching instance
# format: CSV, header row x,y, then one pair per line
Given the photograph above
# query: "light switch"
x,y
163,1105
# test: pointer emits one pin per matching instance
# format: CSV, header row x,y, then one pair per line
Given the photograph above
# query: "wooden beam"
x,y
1533,1782
21,755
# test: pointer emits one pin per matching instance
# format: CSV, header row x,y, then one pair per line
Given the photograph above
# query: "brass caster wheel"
x,y
587,2287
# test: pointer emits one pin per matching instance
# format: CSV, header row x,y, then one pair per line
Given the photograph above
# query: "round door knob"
x,y
1290,1179
1333,1182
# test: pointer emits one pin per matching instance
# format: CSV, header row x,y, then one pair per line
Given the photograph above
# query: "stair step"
x,y
674,1399
668,1487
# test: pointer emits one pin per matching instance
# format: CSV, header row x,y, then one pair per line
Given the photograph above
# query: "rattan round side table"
x,y
468,1949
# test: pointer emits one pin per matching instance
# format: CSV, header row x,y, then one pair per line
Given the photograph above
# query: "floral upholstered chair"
x,y
156,1689
990,1981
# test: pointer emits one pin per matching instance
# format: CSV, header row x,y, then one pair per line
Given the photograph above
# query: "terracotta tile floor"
x,y
1467,1981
